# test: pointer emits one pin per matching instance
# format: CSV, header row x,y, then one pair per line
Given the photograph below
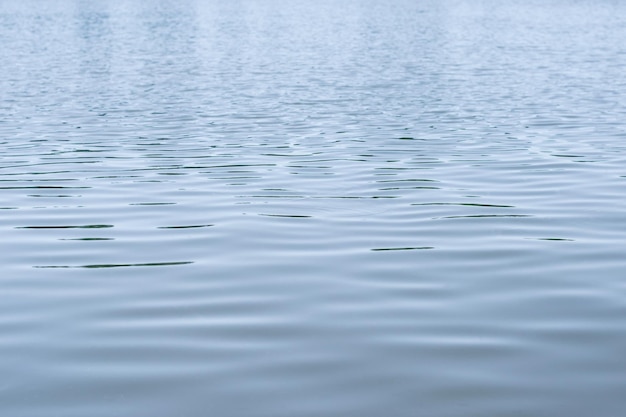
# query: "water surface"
x,y
294,208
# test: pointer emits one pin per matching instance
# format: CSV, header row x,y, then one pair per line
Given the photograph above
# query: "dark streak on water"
x,y
416,248
88,226
312,208
117,265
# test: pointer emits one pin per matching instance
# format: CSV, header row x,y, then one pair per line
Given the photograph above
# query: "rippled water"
x,y
297,208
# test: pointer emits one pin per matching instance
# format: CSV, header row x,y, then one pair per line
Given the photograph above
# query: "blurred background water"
x,y
312,208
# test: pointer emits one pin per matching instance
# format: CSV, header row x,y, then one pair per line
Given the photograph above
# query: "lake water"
x,y
313,208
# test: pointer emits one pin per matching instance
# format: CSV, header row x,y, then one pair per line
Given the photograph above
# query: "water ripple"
x,y
312,208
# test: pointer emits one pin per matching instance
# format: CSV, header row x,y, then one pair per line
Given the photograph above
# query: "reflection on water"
x,y
117,265
312,209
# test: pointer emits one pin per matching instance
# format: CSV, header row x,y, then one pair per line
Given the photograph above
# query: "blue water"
x,y
312,208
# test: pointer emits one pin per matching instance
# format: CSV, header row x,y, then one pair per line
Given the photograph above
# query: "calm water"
x,y
312,208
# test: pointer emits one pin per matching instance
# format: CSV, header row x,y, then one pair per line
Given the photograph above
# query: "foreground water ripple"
x,y
355,208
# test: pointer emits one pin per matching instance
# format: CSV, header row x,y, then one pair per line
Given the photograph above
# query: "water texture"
x,y
312,208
